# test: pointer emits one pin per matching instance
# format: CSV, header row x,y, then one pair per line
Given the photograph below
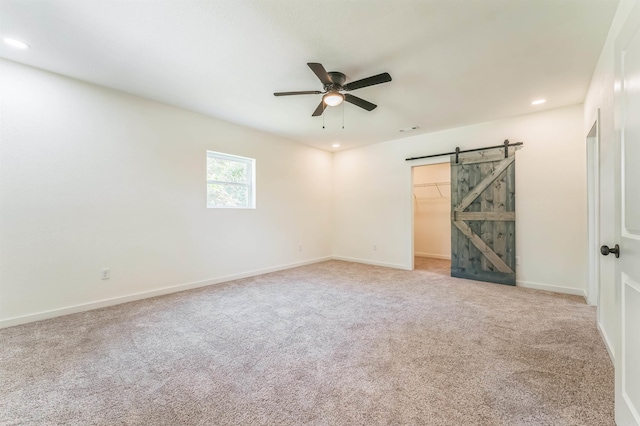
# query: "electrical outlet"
x,y
105,274
299,247
375,247
517,260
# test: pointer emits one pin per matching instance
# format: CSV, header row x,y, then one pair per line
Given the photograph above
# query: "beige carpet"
x,y
333,343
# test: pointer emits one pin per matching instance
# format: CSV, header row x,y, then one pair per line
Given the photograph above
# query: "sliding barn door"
x,y
483,231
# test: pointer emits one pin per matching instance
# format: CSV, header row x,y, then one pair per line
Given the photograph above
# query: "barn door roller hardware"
x,y
457,152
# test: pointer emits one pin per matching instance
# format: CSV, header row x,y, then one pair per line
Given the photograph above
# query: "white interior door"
x,y
627,57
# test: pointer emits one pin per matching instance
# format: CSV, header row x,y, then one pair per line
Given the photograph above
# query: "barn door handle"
x,y
605,250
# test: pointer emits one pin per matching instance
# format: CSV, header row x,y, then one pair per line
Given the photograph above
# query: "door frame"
x,y
593,213
419,163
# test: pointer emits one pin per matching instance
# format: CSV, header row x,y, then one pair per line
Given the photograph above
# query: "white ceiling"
x,y
453,62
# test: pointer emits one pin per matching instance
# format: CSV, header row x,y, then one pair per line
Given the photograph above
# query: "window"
x,y
230,181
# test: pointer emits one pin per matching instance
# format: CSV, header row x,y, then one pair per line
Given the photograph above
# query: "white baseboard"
x,y
607,343
10,322
433,255
372,262
553,288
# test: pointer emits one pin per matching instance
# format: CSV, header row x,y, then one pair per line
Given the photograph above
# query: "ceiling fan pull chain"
x,y
343,116
323,107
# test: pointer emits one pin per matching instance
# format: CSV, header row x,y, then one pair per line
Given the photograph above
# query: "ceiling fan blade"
x,y
319,110
319,71
306,92
359,102
369,81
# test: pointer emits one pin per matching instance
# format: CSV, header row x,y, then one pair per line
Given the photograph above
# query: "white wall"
x,y
601,97
372,195
93,178
432,212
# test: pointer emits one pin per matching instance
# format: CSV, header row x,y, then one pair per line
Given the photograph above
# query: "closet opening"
x,y
432,217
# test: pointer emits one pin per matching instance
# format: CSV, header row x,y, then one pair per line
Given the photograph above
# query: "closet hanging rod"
x,y
420,185
459,151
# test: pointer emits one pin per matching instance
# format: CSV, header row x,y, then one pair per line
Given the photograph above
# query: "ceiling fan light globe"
x,y
333,98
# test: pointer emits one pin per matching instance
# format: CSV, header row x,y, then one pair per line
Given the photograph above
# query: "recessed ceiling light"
x,y
15,43
336,145
538,102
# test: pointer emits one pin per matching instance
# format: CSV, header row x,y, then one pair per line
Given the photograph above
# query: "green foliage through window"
x,y
226,170
230,181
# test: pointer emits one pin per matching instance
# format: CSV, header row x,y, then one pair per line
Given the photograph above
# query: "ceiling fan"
x,y
334,84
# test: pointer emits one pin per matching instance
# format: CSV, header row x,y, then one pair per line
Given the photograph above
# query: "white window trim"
x,y
251,186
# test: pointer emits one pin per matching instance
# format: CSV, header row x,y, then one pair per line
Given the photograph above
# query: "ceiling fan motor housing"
x,y
338,79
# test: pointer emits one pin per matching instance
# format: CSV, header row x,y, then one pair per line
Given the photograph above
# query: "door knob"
x,y
605,250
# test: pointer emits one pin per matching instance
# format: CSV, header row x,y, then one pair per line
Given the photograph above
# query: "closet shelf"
x,y
432,184
420,185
